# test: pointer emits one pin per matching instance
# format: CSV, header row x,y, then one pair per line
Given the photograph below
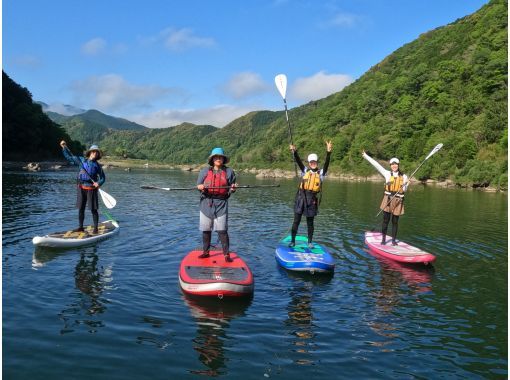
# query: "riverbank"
x,y
128,164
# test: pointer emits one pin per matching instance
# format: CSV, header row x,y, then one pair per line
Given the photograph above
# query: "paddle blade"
x,y
108,200
434,151
281,84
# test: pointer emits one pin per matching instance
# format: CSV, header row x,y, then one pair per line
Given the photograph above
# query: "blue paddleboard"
x,y
304,259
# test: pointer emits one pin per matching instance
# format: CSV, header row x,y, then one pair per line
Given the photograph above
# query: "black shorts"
x,y
87,196
306,203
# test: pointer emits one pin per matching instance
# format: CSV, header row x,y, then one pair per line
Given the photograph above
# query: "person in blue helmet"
x,y
215,182
90,178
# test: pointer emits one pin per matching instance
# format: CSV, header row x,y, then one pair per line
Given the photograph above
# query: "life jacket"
x,y
90,167
311,181
395,186
217,179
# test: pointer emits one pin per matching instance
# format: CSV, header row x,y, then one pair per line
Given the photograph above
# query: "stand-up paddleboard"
x,y
402,252
213,276
70,239
304,259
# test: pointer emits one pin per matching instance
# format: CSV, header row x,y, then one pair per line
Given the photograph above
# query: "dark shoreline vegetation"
x,y
448,86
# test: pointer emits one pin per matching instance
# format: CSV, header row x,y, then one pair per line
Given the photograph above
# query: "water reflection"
x,y
213,317
300,315
396,280
91,281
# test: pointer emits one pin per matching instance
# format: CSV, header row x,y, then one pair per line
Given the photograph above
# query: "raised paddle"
x,y
432,152
205,188
107,199
281,84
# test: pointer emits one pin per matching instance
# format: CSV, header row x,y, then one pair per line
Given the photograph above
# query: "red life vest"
x,y
218,179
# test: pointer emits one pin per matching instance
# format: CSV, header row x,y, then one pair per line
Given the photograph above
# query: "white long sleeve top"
x,y
385,173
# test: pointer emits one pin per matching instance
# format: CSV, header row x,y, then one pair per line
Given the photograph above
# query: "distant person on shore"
x,y
216,183
90,178
306,201
392,204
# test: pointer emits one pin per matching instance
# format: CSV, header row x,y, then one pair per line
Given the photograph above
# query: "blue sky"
x,y
163,62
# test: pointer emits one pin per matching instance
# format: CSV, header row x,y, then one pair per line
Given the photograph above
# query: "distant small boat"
x,y
146,165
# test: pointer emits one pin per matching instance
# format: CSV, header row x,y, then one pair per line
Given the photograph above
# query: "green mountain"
x,y
27,133
449,86
92,126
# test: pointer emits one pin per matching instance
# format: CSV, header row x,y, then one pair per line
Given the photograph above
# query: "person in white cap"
x,y
90,178
392,204
306,201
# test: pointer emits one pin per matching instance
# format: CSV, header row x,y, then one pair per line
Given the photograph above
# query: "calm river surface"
x,y
115,310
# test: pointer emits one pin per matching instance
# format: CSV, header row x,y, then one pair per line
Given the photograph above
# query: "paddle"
x,y
107,199
432,152
194,188
281,84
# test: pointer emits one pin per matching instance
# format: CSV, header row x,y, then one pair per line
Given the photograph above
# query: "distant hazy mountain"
x,y
91,126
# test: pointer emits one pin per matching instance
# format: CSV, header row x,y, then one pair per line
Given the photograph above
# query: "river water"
x,y
115,310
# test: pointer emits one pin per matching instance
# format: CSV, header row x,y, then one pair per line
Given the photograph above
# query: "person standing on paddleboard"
x,y
306,201
216,183
90,178
392,204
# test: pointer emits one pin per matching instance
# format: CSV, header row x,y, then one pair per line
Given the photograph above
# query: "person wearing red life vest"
x,y
215,183
392,204
306,201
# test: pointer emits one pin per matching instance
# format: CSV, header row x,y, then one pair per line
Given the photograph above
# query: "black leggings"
x,y
394,224
295,226
223,235
81,214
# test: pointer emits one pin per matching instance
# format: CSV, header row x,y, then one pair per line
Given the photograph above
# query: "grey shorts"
x,y
217,224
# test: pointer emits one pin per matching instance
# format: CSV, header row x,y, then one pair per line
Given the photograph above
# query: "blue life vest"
x,y
92,167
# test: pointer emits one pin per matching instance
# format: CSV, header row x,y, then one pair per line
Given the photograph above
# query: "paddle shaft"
x,y
207,188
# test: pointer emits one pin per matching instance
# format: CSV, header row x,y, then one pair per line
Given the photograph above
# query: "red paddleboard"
x,y
402,252
213,276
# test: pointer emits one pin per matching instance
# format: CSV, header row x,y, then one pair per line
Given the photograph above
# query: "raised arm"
x,y
73,160
329,148
296,158
385,173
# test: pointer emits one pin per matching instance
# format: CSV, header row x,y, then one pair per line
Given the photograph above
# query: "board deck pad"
x,y
213,276
301,257
402,252
102,228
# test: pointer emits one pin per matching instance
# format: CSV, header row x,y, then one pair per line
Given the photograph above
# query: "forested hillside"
x,y
449,86
28,133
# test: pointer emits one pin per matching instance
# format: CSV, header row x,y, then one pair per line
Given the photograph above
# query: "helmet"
x,y
217,152
313,157
394,160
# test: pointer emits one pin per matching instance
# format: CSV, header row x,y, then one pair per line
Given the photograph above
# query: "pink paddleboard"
x,y
402,252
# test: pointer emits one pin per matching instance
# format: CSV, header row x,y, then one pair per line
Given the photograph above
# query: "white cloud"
x,y
218,116
245,84
64,109
94,46
26,61
344,20
318,86
179,39
111,92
